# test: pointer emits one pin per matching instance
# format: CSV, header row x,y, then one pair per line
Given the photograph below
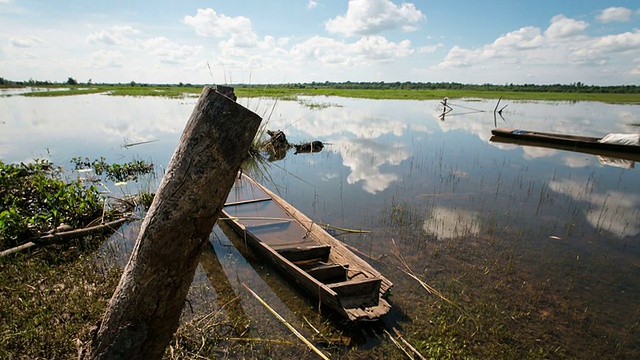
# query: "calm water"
x,y
538,247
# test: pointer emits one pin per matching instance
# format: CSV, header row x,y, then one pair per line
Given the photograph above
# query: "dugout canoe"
x,y
319,263
584,144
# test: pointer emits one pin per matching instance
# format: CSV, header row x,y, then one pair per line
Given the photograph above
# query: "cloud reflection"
x,y
447,223
613,211
358,134
365,157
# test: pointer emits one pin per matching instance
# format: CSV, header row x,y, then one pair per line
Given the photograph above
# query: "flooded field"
x,y
526,252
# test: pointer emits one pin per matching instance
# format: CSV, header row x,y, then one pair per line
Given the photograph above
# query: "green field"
x,y
285,92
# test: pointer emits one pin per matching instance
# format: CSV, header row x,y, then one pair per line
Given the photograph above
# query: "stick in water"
x,y
282,320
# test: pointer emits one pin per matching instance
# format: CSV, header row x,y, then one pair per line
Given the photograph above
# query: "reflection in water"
x,y
365,157
612,211
445,223
560,228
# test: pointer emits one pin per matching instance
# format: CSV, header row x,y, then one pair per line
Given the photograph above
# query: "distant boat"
x,y
304,251
585,144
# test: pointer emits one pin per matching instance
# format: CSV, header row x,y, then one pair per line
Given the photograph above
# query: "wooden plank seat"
x,y
358,293
329,273
247,201
307,254
269,227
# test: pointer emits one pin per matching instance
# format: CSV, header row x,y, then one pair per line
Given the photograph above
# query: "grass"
x,y
50,299
283,93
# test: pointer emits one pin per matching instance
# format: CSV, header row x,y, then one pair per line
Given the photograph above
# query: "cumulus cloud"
x,y
208,23
366,49
237,31
429,49
619,42
600,50
170,52
525,38
565,28
563,42
369,17
116,35
105,59
24,42
614,14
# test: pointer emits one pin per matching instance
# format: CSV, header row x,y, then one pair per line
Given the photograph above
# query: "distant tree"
x,y
132,83
72,81
1,81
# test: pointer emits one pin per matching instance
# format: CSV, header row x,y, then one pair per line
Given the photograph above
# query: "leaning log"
x,y
65,235
145,308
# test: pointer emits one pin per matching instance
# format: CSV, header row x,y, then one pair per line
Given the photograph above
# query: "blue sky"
x,y
257,41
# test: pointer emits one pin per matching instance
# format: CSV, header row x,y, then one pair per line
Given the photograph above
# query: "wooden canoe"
x,y
320,264
584,144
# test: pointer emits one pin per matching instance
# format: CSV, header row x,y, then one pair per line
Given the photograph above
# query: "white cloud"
x,y
564,28
116,35
599,51
368,17
312,4
429,49
563,43
619,42
365,50
525,38
102,59
614,14
170,52
24,42
208,23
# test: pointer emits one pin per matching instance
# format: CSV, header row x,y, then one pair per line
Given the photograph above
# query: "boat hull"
x,y
583,144
317,262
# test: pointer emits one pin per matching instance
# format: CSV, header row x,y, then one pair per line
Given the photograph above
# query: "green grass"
x,y
120,90
285,93
50,298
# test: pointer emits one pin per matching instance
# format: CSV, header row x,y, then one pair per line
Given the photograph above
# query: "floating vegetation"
x,y
120,173
315,105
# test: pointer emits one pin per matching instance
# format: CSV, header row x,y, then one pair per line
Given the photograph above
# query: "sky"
x,y
595,42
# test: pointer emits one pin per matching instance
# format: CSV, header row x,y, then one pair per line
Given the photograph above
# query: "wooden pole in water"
x,y
145,308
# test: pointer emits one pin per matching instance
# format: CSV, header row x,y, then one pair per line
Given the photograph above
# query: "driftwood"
x,y
309,147
64,236
145,308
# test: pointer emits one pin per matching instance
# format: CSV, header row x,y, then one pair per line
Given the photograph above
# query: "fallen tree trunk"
x,y
64,236
145,308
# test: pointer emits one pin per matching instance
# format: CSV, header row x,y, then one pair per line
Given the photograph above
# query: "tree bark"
x,y
145,309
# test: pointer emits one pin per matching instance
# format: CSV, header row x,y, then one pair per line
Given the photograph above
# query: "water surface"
x,y
537,247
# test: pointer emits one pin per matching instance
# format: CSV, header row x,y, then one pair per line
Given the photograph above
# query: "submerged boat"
x,y
592,145
305,252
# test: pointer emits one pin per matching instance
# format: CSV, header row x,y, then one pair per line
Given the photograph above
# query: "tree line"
x,y
562,88
577,87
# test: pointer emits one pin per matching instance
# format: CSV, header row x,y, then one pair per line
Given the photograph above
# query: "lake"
x,y
534,252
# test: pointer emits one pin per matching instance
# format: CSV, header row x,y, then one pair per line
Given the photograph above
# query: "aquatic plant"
x,y
35,199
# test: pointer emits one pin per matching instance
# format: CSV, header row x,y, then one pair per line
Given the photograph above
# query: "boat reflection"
x,y
606,157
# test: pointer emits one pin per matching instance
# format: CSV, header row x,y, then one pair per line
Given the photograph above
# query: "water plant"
x,y
35,199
